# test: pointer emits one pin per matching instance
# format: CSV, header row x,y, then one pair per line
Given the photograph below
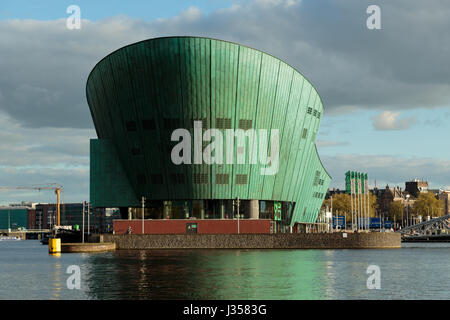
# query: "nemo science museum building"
x,y
204,136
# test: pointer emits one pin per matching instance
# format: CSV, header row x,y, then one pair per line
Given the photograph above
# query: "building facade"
x,y
44,217
444,196
13,217
204,129
386,196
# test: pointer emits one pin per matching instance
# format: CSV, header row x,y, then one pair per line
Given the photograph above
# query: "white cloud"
x,y
388,169
44,65
389,120
37,156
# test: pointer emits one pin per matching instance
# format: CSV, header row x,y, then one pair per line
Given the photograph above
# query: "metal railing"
x,y
422,228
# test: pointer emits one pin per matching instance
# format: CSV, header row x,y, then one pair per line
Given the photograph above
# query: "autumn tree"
x,y
427,205
342,204
396,211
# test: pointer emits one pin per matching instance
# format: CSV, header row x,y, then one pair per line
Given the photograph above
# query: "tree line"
x,y
425,205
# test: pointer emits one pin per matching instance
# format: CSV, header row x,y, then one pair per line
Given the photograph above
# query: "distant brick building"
x,y
386,196
334,191
445,198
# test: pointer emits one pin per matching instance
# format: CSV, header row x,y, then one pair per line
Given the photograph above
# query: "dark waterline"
x,y
417,271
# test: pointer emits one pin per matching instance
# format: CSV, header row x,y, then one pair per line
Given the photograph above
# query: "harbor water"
x,y
416,271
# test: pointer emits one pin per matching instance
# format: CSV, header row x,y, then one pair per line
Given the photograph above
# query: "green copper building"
x,y
140,94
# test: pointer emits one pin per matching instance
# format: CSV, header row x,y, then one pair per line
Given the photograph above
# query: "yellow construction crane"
x,y
56,187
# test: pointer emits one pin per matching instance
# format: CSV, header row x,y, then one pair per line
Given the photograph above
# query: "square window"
x,y
200,178
156,178
131,126
223,123
222,178
241,179
141,179
245,124
148,124
135,151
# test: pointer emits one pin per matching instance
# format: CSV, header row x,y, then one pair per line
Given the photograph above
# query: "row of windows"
x,y
245,124
316,178
221,123
154,179
314,112
175,123
318,195
135,151
177,178
321,181
198,178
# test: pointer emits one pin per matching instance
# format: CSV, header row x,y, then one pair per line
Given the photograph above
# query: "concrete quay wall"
x,y
255,241
87,247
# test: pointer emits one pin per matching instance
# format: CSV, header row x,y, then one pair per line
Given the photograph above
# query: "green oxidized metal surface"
x,y
140,93
109,182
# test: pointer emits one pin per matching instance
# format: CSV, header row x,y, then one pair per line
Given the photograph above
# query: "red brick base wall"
x,y
178,226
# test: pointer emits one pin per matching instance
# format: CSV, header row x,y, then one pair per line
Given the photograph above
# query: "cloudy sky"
x,y
386,92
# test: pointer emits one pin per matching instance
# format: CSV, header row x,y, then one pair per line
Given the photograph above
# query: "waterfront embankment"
x,y
338,240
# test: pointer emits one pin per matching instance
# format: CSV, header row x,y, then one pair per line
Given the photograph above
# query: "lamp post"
x,y
407,209
380,220
143,210
82,231
332,213
237,203
88,214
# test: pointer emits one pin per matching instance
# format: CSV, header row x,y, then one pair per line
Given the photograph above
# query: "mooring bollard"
x,y
54,245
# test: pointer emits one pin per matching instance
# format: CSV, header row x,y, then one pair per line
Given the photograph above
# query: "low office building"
x,y
71,215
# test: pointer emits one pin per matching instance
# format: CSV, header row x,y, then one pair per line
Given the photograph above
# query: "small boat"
x,y
9,238
66,236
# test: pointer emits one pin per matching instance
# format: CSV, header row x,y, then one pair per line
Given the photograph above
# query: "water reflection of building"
x,y
206,274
